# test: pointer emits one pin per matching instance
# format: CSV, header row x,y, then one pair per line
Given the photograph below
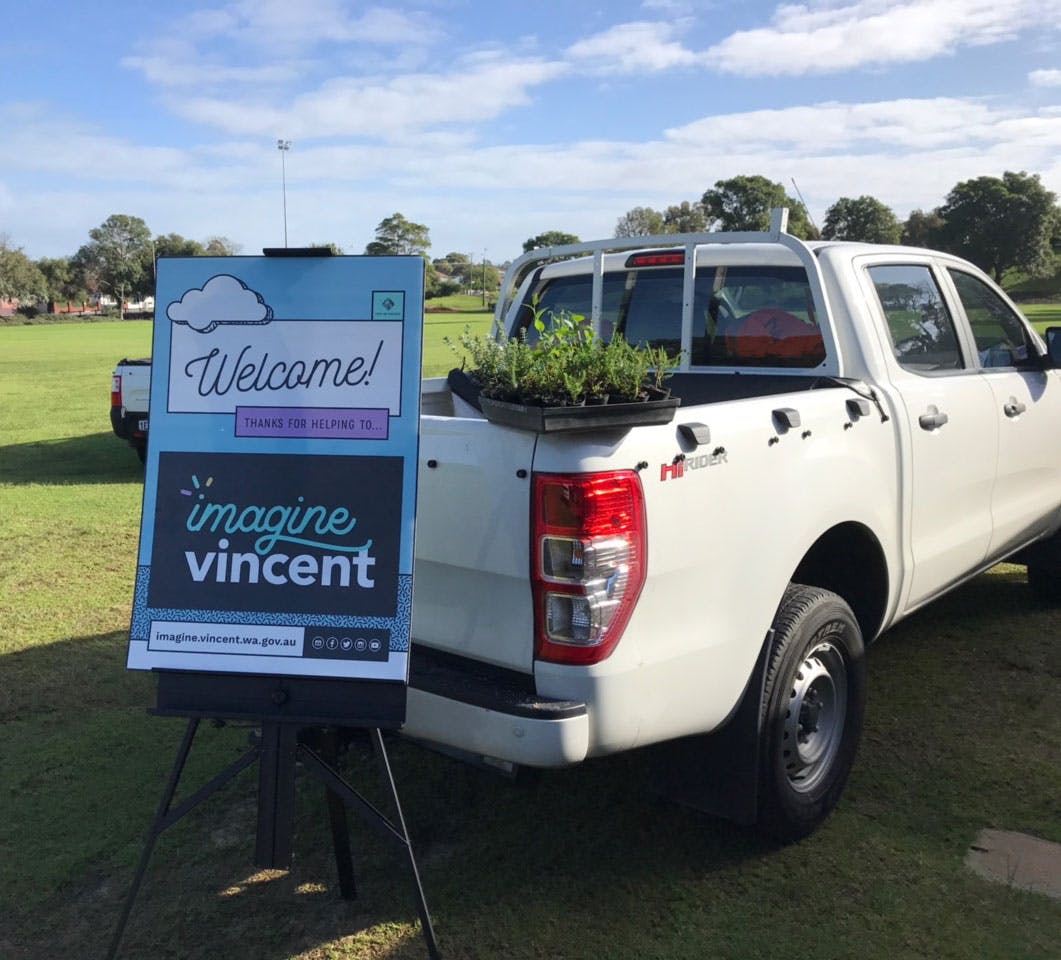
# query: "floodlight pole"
x,y
283,146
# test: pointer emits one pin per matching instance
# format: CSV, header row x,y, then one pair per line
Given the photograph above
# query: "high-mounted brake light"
x,y
116,390
587,560
663,258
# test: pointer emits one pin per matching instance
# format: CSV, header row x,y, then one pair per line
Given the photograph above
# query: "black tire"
x,y
1044,579
141,451
814,697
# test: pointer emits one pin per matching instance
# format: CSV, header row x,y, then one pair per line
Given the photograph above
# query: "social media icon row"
x,y
372,645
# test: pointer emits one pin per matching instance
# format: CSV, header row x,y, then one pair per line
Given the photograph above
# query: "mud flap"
x,y
718,773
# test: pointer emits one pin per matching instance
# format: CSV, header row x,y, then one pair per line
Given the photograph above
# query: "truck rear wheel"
x,y
811,711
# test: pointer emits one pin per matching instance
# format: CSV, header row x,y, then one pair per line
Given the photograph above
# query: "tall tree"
x,y
1001,224
221,247
922,229
61,279
684,217
174,245
118,257
466,273
639,222
435,285
396,236
551,238
20,277
745,202
864,218
453,264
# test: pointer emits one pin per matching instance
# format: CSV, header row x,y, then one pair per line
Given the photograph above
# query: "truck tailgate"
x,y
136,384
471,587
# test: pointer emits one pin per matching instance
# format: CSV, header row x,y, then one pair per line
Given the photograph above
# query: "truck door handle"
x,y
1014,408
931,421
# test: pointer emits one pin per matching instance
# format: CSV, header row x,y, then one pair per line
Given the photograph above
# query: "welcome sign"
x,y
279,498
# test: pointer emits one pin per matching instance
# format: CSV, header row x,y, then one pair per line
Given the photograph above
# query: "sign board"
x,y
280,492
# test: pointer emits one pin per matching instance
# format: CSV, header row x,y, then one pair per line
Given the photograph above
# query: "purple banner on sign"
x,y
319,423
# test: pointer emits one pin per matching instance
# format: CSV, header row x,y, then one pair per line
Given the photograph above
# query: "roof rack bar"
x,y
688,295
598,292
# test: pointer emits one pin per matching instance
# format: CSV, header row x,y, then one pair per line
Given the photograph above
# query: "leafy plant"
x,y
568,364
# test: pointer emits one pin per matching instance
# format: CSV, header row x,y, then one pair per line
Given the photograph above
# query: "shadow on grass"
x,y
97,458
65,680
78,747
574,863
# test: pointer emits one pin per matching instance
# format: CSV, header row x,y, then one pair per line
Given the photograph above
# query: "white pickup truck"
x,y
861,429
130,391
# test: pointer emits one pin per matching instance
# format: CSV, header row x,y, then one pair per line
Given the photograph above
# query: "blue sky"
x,y
491,122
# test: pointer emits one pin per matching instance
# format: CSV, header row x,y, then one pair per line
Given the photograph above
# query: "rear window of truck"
x,y
743,316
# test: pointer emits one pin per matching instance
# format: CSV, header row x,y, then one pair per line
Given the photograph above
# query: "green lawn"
x,y
1043,315
463,302
963,732
439,357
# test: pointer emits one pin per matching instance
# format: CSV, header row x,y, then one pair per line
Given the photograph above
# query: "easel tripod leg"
x,y
337,815
153,833
421,902
276,795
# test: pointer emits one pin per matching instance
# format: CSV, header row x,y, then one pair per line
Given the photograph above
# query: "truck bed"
x,y
458,396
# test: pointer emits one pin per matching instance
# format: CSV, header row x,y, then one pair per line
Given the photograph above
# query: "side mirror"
x,y
1053,346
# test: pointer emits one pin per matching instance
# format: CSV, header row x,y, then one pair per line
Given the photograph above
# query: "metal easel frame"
x,y
300,722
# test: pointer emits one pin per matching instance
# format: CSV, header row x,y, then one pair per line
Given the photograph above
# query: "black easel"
x,y
300,720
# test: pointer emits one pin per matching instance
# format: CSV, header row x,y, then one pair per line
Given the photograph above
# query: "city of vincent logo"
x,y
274,533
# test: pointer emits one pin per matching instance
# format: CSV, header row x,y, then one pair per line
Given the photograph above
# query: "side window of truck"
x,y
759,316
574,295
743,316
1002,340
920,326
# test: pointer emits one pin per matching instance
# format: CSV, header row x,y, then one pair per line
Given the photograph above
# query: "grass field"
x,y
963,732
1043,315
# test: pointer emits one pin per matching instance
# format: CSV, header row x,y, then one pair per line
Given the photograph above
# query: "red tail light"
x,y
666,258
587,561
116,390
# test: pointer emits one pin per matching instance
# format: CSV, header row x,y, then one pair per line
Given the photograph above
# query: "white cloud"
x,y
669,6
631,48
908,153
175,71
833,149
381,109
466,144
1045,78
274,42
896,125
829,37
221,300
280,24
88,154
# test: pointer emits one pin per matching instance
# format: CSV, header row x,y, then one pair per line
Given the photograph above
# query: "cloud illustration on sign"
x,y
221,300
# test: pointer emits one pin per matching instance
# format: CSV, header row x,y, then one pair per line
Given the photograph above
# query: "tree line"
x,y
120,257
1001,224
117,262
